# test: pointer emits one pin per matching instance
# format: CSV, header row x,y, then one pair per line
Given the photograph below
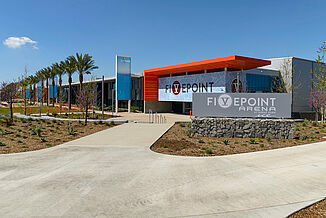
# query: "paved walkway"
x,y
114,174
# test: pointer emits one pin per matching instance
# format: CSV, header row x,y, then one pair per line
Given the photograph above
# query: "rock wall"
x,y
243,128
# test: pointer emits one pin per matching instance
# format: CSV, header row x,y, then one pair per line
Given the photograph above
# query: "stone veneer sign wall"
x,y
243,127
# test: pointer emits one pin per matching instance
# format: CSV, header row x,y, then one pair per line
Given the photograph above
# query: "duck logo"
x,y
225,101
176,87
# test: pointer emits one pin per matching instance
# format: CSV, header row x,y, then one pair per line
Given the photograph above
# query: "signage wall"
x,y
123,77
268,105
181,88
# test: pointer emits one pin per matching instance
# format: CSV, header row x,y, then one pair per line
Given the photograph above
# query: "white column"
x,y
129,105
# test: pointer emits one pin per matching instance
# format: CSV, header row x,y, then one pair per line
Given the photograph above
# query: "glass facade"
x,y
259,83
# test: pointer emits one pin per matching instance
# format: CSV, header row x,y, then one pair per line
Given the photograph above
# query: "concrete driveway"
x,y
114,174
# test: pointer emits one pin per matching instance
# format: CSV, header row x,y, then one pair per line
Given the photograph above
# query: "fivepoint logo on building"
x,y
242,105
180,88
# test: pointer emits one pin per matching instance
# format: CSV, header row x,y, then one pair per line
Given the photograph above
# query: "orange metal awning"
x,y
233,62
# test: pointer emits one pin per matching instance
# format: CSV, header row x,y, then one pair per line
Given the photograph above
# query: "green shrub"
x,y
43,140
201,141
2,144
297,129
252,141
302,137
188,132
19,141
37,131
226,142
244,144
107,124
262,145
182,124
112,123
209,151
268,137
134,109
165,146
314,124
100,122
24,121
70,129
54,121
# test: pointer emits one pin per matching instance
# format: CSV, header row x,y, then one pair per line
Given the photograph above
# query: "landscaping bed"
x,y
33,109
316,210
178,141
93,116
28,134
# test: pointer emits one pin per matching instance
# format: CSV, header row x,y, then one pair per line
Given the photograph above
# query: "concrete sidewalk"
x,y
114,174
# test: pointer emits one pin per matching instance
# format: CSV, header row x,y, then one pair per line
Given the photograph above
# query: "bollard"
x,y
24,111
190,114
30,111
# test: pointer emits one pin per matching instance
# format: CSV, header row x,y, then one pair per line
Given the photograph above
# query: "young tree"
x,y
23,82
87,98
317,100
319,76
9,91
283,82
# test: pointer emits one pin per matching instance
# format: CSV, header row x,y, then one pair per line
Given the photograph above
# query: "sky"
x,y
37,33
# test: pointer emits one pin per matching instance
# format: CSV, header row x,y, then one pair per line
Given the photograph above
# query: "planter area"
x,y
179,141
315,210
34,134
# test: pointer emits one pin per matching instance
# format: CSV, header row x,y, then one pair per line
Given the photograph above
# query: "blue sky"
x,y
156,33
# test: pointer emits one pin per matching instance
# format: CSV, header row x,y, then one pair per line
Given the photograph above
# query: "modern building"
x,y
170,88
137,94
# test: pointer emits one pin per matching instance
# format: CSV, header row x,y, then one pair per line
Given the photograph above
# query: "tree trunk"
x,y
69,94
86,110
53,84
60,93
81,83
24,91
47,92
11,112
316,117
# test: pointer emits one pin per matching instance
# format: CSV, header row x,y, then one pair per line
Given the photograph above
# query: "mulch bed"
x,y
177,141
316,210
22,135
92,116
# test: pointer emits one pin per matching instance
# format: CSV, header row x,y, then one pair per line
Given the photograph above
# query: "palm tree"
x,y
60,71
70,68
84,65
53,73
46,73
40,78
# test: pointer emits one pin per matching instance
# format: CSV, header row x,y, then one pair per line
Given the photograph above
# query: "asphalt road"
x,y
113,173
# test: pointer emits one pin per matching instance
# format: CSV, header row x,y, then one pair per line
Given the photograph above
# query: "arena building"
x,y
170,88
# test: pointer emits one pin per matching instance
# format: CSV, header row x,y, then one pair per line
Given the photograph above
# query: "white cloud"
x,y
17,42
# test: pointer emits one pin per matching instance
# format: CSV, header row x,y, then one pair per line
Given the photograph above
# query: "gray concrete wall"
x,y
157,106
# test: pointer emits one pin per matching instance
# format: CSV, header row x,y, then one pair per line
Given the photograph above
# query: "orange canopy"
x,y
231,62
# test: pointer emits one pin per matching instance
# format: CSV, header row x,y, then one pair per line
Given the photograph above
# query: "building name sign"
x,y
269,105
180,88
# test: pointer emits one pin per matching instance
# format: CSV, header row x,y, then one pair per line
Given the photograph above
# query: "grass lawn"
x,y
90,115
28,135
177,141
35,110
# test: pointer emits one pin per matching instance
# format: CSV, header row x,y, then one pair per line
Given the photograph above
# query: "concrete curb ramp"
x,y
113,173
